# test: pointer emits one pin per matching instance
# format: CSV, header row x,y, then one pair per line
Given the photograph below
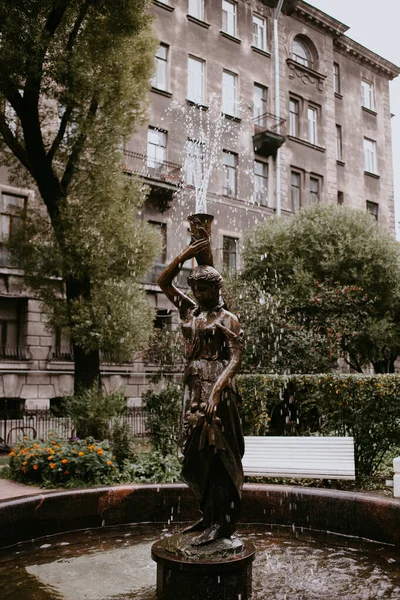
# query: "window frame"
x,y
307,60
12,215
229,18
298,174
228,253
336,78
372,209
370,156
233,102
194,12
315,194
262,190
161,226
259,117
339,143
367,95
312,124
229,170
191,61
256,36
161,62
294,117
155,162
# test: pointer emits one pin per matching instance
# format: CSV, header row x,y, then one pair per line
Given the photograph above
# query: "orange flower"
x,y
12,453
66,472
24,463
81,454
54,443
100,451
49,458
109,463
52,465
64,461
35,467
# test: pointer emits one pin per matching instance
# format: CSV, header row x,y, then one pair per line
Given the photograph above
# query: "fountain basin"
x,y
356,514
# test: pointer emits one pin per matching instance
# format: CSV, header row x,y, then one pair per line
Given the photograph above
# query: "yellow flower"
x,y
52,465
26,437
81,454
64,461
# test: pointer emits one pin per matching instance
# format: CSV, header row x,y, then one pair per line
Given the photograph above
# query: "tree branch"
x,y
60,134
78,148
13,143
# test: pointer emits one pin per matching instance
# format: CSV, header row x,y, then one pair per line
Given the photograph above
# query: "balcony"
x,y
289,6
164,177
15,353
151,276
269,134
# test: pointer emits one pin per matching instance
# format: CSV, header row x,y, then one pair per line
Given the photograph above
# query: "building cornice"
x,y
359,53
313,16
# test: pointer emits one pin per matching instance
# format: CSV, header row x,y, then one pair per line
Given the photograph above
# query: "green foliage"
x,y
122,442
75,79
153,467
367,408
92,412
163,414
56,462
166,350
321,285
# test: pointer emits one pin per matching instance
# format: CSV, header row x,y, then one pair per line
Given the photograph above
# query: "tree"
x,y
73,81
329,282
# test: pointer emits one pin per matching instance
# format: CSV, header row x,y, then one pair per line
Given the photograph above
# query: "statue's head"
x,y
205,274
205,283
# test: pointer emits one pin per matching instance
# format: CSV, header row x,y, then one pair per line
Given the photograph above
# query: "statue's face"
x,y
206,294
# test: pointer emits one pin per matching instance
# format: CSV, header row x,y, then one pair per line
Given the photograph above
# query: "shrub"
x,y
122,442
92,411
365,407
153,467
163,413
56,462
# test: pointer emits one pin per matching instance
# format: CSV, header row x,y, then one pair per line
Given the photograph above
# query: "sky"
x,y
376,26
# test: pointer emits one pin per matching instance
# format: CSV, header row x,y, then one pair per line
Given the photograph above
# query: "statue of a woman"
x,y
212,445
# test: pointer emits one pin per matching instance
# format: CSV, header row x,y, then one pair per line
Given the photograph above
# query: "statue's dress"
x,y
211,452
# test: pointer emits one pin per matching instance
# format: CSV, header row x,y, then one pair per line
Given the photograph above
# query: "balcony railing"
x,y
269,122
269,134
151,168
15,353
151,276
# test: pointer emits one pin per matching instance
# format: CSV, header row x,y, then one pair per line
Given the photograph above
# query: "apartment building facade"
x,y
309,121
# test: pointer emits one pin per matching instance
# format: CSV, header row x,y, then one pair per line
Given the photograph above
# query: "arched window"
x,y
301,52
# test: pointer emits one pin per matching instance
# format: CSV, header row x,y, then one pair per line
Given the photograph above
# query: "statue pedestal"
x,y
221,570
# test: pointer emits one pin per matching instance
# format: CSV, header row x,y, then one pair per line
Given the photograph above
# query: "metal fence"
x,y
39,423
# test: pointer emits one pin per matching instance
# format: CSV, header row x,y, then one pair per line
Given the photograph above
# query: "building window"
x,y
369,155
294,107
373,209
163,319
194,163
259,33
260,105
295,191
196,9
340,198
315,190
195,91
11,318
11,214
312,117
230,164
339,143
229,253
156,148
229,17
367,90
160,79
301,53
260,183
162,229
336,78
229,93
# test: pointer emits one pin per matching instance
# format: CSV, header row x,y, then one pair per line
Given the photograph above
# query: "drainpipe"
x,y
277,105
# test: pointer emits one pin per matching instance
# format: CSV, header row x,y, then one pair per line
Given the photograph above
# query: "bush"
x,y
163,414
153,467
365,407
61,463
122,442
92,411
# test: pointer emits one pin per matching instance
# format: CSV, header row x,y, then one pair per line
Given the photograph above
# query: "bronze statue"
x,y
212,445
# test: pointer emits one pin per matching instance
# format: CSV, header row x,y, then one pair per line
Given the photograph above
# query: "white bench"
x,y
299,457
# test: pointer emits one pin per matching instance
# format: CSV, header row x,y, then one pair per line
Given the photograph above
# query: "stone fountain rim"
x,y
357,514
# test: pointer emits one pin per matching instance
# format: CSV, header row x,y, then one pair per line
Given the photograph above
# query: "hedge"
x,y
365,407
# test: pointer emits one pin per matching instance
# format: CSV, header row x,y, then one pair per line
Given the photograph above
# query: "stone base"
x,y
221,570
